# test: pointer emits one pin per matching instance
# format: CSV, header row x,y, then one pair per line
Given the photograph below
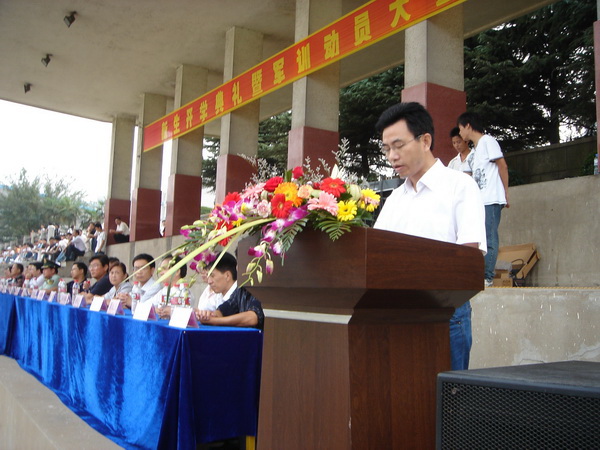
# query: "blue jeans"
x,y
461,338
492,222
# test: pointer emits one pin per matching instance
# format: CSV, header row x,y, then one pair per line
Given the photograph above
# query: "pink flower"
x,y
185,233
264,209
253,191
257,251
277,249
194,266
269,266
326,201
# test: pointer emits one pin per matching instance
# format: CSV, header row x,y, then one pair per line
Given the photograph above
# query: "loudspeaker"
x,y
538,406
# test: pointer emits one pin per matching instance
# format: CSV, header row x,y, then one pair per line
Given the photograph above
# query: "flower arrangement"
x,y
276,208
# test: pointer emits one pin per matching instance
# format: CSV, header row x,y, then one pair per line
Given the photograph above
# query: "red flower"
x,y
297,172
280,207
232,197
333,186
272,183
228,226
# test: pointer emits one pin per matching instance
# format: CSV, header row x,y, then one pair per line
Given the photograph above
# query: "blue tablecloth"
x,y
141,384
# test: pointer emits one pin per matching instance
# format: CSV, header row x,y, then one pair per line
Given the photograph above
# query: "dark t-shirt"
x,y
102,286
241,301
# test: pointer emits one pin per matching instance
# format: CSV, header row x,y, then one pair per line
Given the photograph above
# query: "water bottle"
x,y
175,296
75,289
62,286
164,295
136,295
86,285
184,295
596,164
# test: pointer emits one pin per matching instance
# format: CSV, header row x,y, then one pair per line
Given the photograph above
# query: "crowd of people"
x,y
60,244
222,302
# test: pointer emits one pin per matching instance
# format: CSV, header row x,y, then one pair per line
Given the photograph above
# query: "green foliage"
x,y
287,236
334,228
26,204
524,76
209,163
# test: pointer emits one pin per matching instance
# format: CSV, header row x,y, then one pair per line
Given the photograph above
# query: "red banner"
x,y
362,27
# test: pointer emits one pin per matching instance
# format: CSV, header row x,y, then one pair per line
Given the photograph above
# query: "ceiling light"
x,y
46,60
27,87
70,18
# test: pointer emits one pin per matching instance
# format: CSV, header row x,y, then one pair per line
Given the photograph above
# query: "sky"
x,y
60,146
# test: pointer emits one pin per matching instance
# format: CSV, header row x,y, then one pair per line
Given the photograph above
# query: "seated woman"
x,y
164,311
117,276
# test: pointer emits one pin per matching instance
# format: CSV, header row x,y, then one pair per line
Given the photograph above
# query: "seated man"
x,y
143,270
121,233
76,247
16,274
51,278
240,308
79,273
99,271
36,276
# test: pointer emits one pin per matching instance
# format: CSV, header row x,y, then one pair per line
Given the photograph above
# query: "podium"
x,y
356,332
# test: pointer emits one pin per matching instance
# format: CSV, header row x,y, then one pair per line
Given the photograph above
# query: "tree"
x,y
361,104
523,76
26,204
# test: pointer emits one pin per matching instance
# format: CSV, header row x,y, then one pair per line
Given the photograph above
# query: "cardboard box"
x,y
503,278
522,257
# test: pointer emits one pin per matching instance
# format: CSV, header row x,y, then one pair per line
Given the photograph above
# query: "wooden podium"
x,y
355,334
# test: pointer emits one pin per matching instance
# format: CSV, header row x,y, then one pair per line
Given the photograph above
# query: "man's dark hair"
x,y
98,225
37,265
470,118
145,257
19,266
455,132
102,259
227,263
83,267
417,118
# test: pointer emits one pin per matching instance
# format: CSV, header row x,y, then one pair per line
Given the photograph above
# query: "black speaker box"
x,y
538,406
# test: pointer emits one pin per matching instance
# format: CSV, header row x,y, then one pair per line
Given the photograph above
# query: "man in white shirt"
x,y
434,202
491,174
143,270
464,159
121,233
100,239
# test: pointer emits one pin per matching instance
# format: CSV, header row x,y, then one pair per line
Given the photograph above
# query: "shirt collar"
x,y
230,291
430,179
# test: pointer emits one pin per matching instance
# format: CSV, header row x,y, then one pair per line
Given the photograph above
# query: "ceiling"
x,y
116,50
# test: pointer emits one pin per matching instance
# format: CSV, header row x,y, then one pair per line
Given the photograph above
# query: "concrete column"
x,y
597,70
184,191
239,129
118,203
434,73
145,202
315,102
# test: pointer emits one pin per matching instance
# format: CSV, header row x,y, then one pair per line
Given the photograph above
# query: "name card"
x,y
64,298
145,311
51,296
98,304
183,318
78,301
115,307
19,291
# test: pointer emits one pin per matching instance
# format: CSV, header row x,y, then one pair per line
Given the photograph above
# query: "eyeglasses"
x,y
397,146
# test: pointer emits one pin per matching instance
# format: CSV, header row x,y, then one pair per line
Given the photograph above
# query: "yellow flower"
x,y
346,210
369,200
290,190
